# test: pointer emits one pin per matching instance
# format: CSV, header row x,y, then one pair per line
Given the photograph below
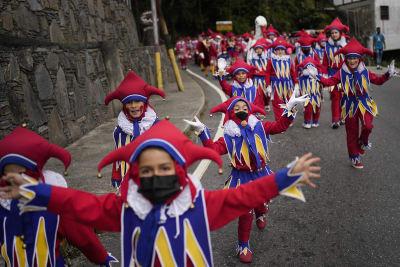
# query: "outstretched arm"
x,y
225,205
102,212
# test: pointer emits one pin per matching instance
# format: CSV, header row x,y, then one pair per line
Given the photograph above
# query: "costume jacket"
x,y
182,237
125,133
247,147
281,76
260,62
33,239
355,85
247,90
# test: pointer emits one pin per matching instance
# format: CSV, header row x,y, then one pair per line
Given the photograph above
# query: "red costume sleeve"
x,y
378,80
226,87
325,64
268,73
331,81
100,212
225,205
293,73
83,238
219,146
277,127
116,173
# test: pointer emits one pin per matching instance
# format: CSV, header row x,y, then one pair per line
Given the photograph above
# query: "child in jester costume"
x,y
164,214
320,46
243,83
356,105
332,62
306,49
136,117
246,141
34,239
312,88
259,60
280,77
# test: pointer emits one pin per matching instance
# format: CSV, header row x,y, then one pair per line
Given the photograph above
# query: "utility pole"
x,y
170,48
157,45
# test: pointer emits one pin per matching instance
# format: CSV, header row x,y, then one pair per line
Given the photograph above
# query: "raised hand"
x,y
305,165
294,101
14,180
391,69
200,127
312,71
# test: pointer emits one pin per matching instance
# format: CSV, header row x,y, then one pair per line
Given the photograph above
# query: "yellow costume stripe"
x,y
283,69
288,71
278,71
193,247
164,249
362,108
233,161
260,147
245,153
228,183
41,247
21,253
4,254
364,83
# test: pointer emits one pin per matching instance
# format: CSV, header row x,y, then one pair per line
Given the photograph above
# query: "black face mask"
x,y
306,51
158,189
241,115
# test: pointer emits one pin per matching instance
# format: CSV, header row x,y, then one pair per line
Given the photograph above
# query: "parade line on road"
x,y
203,165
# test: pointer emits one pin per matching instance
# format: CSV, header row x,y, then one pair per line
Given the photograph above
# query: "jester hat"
x,y
166,136
307,62
306,41
132,88
336,24
227,106
271,31
321,37
280,43
240,65
353,49
28,149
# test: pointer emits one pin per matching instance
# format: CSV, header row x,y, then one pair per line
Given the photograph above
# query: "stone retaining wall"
x,y
56,66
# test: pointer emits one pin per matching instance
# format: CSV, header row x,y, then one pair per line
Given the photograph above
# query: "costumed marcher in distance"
x,y
270,36
356,105
306,49
260,61
312,88
164,215
230,45
202,49
320,46
300,34
245,140
38,238
247,38
332,63
243,83
260,24
280,77
215,50
136,117
182,52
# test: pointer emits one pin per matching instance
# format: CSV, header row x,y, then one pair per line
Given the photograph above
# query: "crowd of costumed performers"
x,y
163,213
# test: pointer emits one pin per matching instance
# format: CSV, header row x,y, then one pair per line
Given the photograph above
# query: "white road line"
x,y
203,165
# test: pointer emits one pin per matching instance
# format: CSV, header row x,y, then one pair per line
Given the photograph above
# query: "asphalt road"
x,y
351,218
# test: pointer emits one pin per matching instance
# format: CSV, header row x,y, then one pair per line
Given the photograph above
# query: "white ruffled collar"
x,y
247,84
232,129
145,123
284,57
142,206
360,68
342,40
